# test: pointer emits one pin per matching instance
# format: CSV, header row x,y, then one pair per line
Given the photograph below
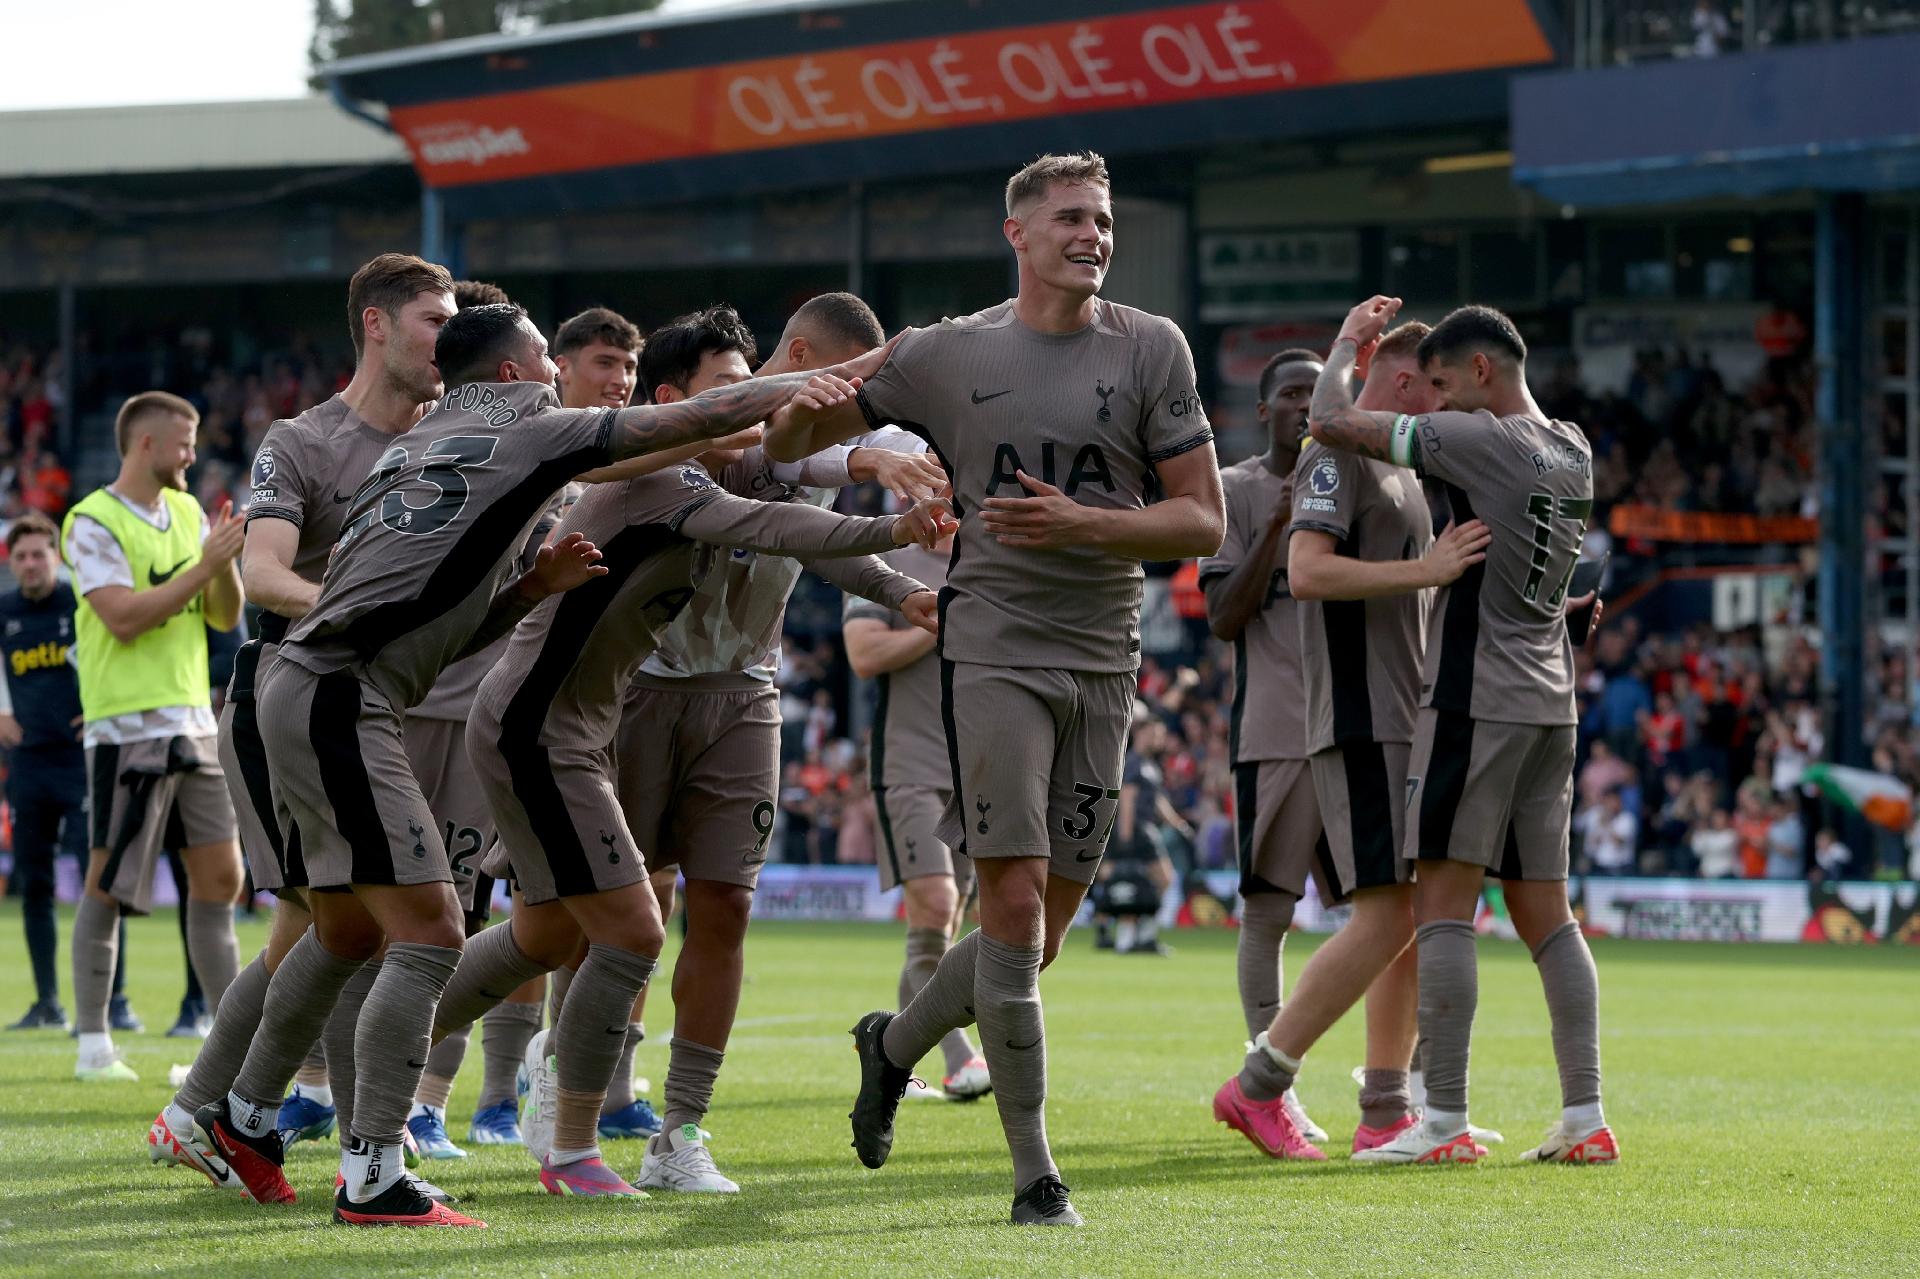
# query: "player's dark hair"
x,y
673,351
468,293
596,324
31,524
1270,371
841,318
389,282
474,341
144,407
1470,329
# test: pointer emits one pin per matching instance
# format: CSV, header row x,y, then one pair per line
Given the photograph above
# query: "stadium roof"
x,y
1828,117
286,133
589,29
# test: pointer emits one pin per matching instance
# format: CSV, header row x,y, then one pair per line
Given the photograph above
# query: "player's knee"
x,y
719,911
348,937
932,902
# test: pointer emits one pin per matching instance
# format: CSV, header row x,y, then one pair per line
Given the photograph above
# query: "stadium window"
x,y
1713,260
1566,257
1424,266
1504,266
1633,260
1893,266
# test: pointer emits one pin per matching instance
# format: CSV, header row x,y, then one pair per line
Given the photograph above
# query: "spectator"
x,y
1786,842
1603,774
1611,833
1834,858
1716,849
1710,29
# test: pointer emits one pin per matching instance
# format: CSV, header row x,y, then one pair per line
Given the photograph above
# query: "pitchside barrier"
x,y
1726,910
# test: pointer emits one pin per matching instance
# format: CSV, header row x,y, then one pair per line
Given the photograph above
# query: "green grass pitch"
x,y
1765,1098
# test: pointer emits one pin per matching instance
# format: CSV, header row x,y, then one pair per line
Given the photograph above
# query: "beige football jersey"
x,y
1090,412
451,697
433,535
569,662
1268,695
1497,643
1360,659
909,742
306,472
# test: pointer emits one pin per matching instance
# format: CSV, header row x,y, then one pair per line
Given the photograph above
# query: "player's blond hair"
x,y
145,406
1402,341
1032,182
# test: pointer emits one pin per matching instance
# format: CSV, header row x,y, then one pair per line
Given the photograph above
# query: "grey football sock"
x,y
313,1071
219,1058
691,1071
212,948
96,948
1262,1076
944,1004
1384,1097
491,967
444,1058
594,1029
504,1034
1264,921
557,993
390,1045
336,1044
1449,994
925,946
1006,988
1572,987
299,998
620,1087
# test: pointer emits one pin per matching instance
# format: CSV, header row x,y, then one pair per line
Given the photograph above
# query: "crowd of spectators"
x,y
32,476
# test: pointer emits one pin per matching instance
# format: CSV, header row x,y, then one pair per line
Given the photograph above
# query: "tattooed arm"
x,y
1331,417
644,429
649,428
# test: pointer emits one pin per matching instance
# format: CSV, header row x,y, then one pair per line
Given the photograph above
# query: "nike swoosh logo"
x,y
1269,1003
1086,857
982,399
415,1065
158,578
617,1030
1023,1047
343,497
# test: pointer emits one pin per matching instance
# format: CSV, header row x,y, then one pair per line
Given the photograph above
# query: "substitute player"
x,y
1362,559
152,573
305,474
912,785
422,574
1275,812
541,738
46,769
1491,777
1050,412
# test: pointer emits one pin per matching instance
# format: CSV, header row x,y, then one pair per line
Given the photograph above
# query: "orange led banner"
x,y
1655,524
1147,58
